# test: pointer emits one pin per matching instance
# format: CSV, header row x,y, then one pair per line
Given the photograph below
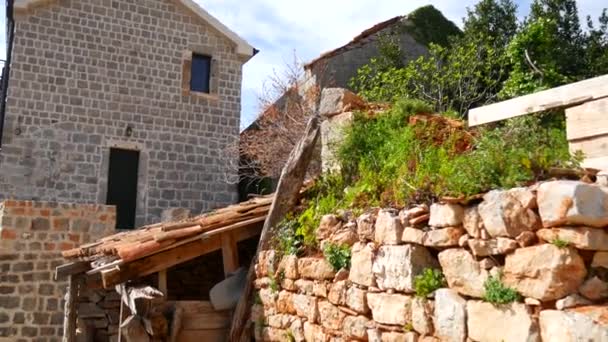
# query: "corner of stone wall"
x,y
32,236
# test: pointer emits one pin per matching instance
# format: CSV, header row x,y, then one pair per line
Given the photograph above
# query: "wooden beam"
x,y
248,232
230,255
160,261
559,97
587,120
71,268
162,282
69,320
285,198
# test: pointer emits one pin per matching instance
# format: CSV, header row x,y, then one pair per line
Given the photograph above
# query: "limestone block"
x,y
388,228
579,237
587,323
572,203
390,308
571,301
444,237
422,315
356,327
365,226
315,268
330,316
362,255
594,288
356,299
504,215
396,266
412,235
289,266
600,259
329,224
306,306
496,246
462,272
338,100
446,215
544,272
450,316
503,323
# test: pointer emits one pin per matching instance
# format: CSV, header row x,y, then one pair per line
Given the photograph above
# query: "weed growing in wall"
x,y
338,256
428,281
498,293
559,243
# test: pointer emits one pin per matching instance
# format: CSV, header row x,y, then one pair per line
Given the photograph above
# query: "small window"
x,y
200,74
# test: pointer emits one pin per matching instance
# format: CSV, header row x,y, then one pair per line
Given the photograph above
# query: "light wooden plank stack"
x,y
587,131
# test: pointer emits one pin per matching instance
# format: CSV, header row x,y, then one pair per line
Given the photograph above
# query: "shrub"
x,y
497,293
338,256
428,281
559,243
285,240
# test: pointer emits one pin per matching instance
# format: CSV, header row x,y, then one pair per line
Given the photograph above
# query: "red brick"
x,y
74,237
45,212
65,246
8,234
61,224
49,246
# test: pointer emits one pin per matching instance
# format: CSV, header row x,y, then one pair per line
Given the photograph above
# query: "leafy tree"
x,y
596,46
494,19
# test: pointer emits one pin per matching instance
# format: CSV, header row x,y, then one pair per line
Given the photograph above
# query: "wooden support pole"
x,y
230,253
69,320
286,196
162,282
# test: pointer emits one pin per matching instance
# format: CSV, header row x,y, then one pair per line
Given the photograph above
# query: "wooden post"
x,y
288,189
230,253
162,282
69,319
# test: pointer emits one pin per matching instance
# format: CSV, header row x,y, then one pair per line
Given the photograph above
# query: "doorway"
x,y
122,186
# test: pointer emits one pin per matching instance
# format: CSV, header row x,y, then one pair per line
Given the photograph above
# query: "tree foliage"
x,y
496,58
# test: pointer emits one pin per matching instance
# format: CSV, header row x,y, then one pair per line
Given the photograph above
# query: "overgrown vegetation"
x,y
428,281
338,256
559,243
495,58
497,293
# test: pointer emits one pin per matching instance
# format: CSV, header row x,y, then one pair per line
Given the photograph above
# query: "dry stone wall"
x,y
32,236
547,242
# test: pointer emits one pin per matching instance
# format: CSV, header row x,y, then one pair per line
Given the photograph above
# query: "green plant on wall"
x,y
498,293
338,256
559,243
428,281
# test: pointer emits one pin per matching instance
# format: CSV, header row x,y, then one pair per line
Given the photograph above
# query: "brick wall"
x,y
85,70
32,235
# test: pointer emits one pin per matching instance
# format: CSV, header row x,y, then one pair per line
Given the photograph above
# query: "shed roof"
x,y
133,254
242,46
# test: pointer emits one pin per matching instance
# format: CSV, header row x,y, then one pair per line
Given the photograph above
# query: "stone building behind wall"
x,y
126,102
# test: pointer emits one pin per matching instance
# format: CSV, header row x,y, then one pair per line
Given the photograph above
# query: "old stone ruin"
x,y
545,245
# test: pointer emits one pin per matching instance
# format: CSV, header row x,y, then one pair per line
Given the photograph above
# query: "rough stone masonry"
x,y
84,71
32,236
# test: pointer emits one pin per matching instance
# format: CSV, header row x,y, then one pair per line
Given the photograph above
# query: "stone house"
x,y
334,69
130,103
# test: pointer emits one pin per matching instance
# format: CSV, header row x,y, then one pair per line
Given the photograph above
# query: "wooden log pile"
x,y
133,245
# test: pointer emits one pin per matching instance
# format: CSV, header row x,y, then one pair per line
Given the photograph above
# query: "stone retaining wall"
x,y
547,242
32,235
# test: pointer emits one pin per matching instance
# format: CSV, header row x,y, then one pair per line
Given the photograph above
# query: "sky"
x,y
282,28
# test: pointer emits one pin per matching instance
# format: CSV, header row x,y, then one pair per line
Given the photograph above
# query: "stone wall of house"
x,y
525,264
84,71
339,69
32,236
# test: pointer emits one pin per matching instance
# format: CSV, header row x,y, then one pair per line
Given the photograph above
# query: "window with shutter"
x,y
200,74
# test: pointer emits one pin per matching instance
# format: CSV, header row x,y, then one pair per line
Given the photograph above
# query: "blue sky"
x,y
278,28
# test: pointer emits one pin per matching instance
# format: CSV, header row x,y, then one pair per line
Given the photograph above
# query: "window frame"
x,y
187,59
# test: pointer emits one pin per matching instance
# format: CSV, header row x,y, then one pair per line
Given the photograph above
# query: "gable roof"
x,y
243,48
370,31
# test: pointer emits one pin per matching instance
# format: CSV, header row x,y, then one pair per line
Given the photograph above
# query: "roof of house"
x,y
134,254
242,47
370,31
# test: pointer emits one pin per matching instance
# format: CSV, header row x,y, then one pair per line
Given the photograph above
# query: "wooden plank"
x,y
285,198
564,96
162,282
587,120
593,147
600,163
247,233
230,255
69,320
71,268
159,261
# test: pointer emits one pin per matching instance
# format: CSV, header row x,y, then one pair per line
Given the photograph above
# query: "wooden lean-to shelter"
x,y
137,264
